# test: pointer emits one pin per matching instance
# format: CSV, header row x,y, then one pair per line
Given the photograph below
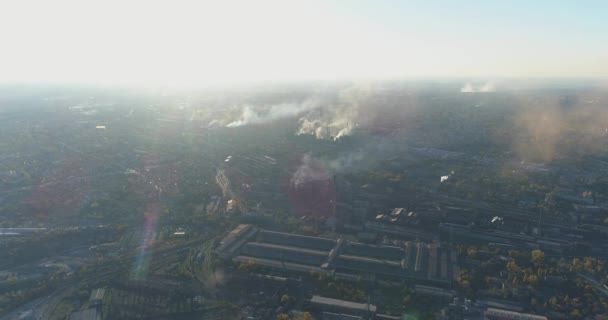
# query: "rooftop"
x,y
341,316
505,314
97,294
86,314
343,304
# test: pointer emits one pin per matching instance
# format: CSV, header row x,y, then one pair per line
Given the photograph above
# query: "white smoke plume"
x,y
337,120
474,88
250,115
346,162
213,123
309,170
333,126
314,169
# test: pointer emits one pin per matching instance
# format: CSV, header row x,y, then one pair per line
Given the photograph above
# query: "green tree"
x,y
472,252
550,202
282,316
531,279
553,301
284,298
575,314
538,256
465,280
304,316
292,223
332,286
512,266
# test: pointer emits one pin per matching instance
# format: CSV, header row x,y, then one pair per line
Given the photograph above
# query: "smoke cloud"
x,y
309,170
314,169
328,118
337,120
554,127
475,88
251,115
345,162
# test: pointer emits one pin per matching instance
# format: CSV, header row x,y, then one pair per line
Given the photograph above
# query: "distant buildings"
x,y
587,214
452,231
427,262
345,309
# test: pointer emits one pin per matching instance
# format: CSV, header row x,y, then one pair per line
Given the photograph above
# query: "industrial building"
x,y
234,240
427,262
96,297
329,305
340,316
86,314
435,292
452,231
498,314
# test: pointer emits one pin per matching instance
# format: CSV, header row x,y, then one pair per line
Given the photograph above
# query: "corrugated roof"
x,y
343,304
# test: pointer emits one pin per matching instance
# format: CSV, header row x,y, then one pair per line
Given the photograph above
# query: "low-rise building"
x,y
500,314
86,314
427,262
96,298
341,306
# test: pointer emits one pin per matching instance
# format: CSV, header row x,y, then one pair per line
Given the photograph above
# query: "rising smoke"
x,y
553,127
309,170
336,120
475,88
324,119
314,169
251,115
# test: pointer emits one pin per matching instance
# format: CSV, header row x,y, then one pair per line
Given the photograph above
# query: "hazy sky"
x,y
235,41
